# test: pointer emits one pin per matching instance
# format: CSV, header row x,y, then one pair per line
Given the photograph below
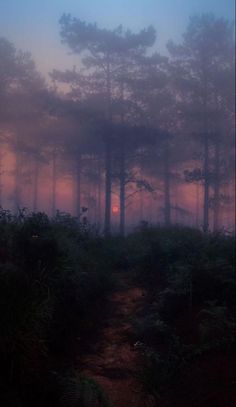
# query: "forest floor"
x,y
115,361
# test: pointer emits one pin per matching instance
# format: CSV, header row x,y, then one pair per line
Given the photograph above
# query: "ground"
x,y
115,360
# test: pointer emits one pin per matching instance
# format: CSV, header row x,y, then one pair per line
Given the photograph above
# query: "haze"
x,y
115,126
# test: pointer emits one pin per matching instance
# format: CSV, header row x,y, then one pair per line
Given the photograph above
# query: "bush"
x,y
190,303
53,280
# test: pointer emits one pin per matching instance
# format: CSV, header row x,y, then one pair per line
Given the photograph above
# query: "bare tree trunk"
x,y
228,221
99,194
108,143
216,185
206,185
122,169
176,194
122,188
78,186
206,159
197,205
167,207
54,180
17,176
107,218
141,205
35,185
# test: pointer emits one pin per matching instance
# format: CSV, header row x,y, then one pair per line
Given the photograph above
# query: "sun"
x,y
115,209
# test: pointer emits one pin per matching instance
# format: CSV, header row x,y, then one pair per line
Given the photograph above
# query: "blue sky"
x,y
33,24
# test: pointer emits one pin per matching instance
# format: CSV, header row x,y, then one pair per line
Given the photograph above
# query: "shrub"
x,y
53,277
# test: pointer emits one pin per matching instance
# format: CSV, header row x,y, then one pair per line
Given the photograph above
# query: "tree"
x,y
106,55
152,92
21,87
201,64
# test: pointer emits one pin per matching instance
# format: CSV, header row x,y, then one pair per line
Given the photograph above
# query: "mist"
x,y
117,203
124,125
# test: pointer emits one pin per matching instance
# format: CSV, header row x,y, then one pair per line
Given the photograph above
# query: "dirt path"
x,y
114,364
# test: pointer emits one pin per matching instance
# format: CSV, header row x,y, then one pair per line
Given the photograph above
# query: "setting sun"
x,y
115,209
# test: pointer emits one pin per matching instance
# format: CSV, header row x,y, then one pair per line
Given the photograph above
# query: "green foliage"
x,y
54,279
217,326
151,330
81,36
81,391
190,310
162,369
54,282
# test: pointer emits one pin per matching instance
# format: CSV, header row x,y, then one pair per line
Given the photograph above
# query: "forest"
x,y
117,211
127,135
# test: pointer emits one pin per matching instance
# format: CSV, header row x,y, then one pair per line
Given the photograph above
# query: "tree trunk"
x,y
17,176
108,142
107,219
122,188
167,207
216,185
206,157
78,186
206,184
197,205
54,181
122,169
99,194
141,206
35,185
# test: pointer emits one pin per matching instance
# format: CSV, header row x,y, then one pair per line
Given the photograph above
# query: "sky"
x,y
32,25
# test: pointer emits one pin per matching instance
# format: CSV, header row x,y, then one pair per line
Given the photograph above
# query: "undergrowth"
x,y
54,283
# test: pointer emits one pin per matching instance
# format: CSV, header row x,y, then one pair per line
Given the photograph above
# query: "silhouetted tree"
x,y
20,92
200,64
106,54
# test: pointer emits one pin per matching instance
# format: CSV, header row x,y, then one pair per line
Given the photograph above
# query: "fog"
x,y
119,112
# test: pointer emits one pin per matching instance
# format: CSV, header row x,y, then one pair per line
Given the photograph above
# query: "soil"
x,y
114,362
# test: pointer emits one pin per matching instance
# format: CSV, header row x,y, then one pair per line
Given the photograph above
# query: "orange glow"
x,y
115,209
186,198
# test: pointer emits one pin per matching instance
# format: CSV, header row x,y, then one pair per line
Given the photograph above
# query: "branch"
x,y
97,57
134,193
